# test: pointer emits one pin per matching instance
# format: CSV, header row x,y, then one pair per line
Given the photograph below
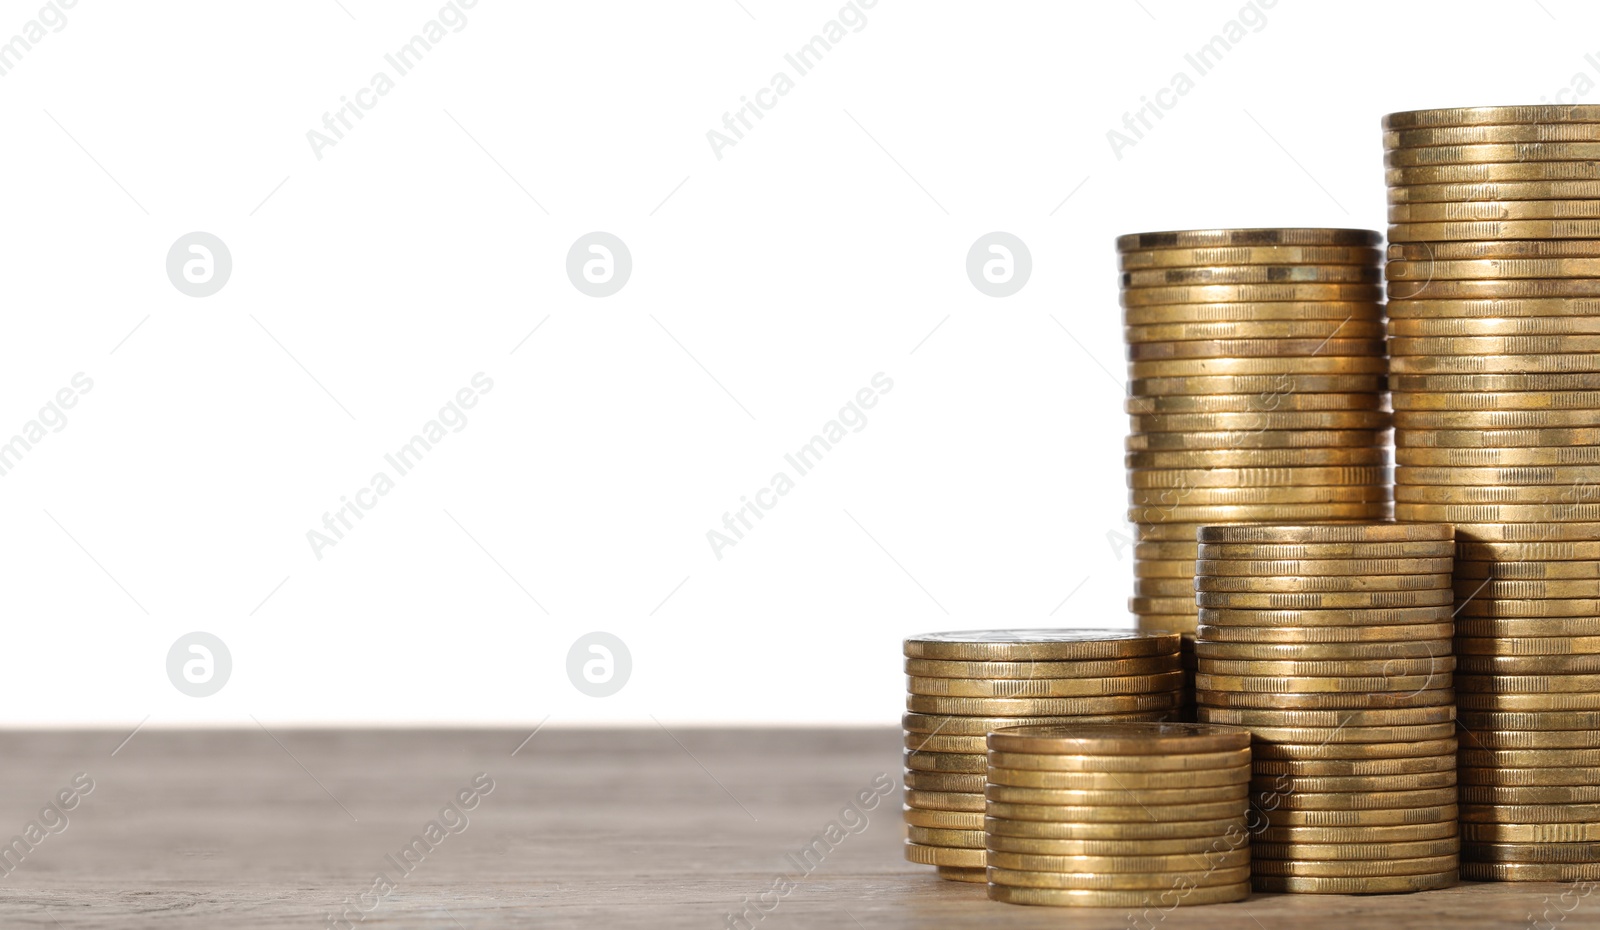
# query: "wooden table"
x,y
597,829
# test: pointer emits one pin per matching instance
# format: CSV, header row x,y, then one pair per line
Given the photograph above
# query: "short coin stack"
x,y
1256,364
1332,645
1133,815
962,685
1495,326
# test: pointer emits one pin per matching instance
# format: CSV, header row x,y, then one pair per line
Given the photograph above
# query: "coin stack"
x,y
1332,645
1494,278
1146,815
961,685
1256,359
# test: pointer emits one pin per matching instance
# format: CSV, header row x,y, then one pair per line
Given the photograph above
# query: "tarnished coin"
x,y
1229,826
1106,813
1152,797
1253,311
1296,684
1185,515
1528,665
1399,734
1364,851
1120,764
1381,817
1328,584
1381,551
1166,897
1468,230
1397,616
1336,347
1048,644
1347,328
931,836
944,725
1253,439
1554,550
1250,293
1255,238
1526,813
945,855
974,876
1489,249
953,801
1258,274
1540,131
953,762
1117,781
1530,871
1406,716
1040,707
1528,636
1526,703
1260,420
1434,269
1031,670
1535,720
1491,154
1313,567
943,820
1172,862
1493,172
1119,848
1493,191
1161,739
1324,601
1440,762
1532,739
1333,783
1350,868
1530,794
1557,114
1045,687
1196,878
1479,210
1497,420
1400,833
1369,363
1546,607
1327,700
1257,458
1528,570
1529,777
1500,588
1426,665
1209,634
1348,533
1193,257
1388,884
1321,751
1295,799
944,781
1541,833
1530,684
1585,853
1491,382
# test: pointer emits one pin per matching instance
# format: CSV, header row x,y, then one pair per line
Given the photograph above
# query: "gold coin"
x,y
1528,636
1440,549
1253,274
1346,869
943,820
1292,798
1384,817
1107,813
938,742
1253,439
1263,293
1152,797
1335,311
1179,622
1490,154
1492,345
1325,584
1365,364
1337,567
1540,131
1041,707
1108,781
1335,783
943,725
1327,701
1049,644
1202,349
957,762
1586,853
1262,402
1495,419
951,801
1396,616
1537,551
1530,871
944,781
1045,687
1084,668
1122,763
1494,439
1164,587
1534,326
1155,897
1385,884
1381,640
1399,734
1485,173
1490,116
1227,238
1557,475
1526,813
1526,794
1532,570
1269,420
1323,751
1172,880
1541,833
1530,684
1398,716
1364,852
1528,665
945,855
1424,665
1505,588
1283,384
1519,703
1478,210
1162,568
1257,458
1503,190
1439,763
1532,739
1400,833
1349,533
1346,328
1499,458
1529,532
1324,601
1162,739
975,876
1252,255
1159,605
1549,607
1132,831
1447,232
1118,848
1078,864
1402,365
1435,269
1480,383
1299,684
931,836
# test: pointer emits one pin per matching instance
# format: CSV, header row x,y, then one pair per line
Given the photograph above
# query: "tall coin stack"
x,y
962,685
1256,364
1134,815
1495,322
1332,645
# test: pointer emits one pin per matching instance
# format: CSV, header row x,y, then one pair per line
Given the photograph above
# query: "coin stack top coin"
x,y
962,684
1494,299
1256,359
1147,815
1331,644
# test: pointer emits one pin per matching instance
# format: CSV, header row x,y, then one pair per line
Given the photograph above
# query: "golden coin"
x,y
1540,551
1183,623
1529,532
1347,328
1124,864
938,742
1335,311
944,725
1540,131
1480,383
1270,420
1403,365
1519,703
1119,764
1283,384
1532,326
1159,605
1173,880
1399,716
1557,475
1530,871
1292,798
975,876
1499,588
1202,349
1492,345
1262,293
944,781
1527,813
1326,701
1049,644
1435,269
1084,668
1499,458
957,762
1530,684
1330,584
1429,731
1400,833
1338,567
1364,364
1152,797
1394,816
1118,848
1541,833
1350,533
1253,274
1530,794
945,855
1045,687
1503,190
1490,116
1494,439
1041,707
1532,739
1385,884
1257,458
1262,402
943,820
1528,570
1490,154
1324,601
1495,172
1335,783
1106,781
1588,853
1253,439
1494,419
1228,238
952,801
1299,684
1107,813
1163,568
1322,751
931,836
1356,851
1529,665
1132,831
1549,607
1163,739
1424,665
1442,762
1439,549
1346,869
1447,232
1490,249
1210,640
1156,897
1476,210
1276,618
1528,636
1252,255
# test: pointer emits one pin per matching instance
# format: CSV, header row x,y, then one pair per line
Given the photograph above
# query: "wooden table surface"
x,y
597,829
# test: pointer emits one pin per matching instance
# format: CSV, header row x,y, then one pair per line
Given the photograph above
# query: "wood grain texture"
x,y
596,829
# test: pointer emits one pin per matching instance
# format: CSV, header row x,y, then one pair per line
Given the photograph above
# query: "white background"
x,y
820,250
